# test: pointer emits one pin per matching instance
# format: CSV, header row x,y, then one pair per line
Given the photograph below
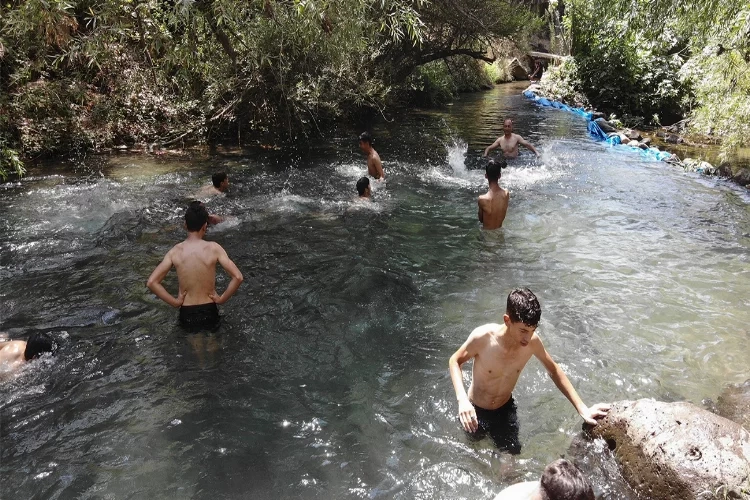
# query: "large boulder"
x,y
677,450
517,71
734,404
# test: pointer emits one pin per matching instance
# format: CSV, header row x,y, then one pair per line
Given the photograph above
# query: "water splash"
x,y
457,157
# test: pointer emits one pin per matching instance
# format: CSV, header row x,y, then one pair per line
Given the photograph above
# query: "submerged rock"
x,y
677,450
742,177
734,404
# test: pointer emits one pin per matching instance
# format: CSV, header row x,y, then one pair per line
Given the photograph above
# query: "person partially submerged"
x,y
219,185
363,189
493,205
561,480
14,353
500,353
374,166
509,142
195,261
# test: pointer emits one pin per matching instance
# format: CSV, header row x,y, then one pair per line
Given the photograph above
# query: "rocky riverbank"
x,y
662,138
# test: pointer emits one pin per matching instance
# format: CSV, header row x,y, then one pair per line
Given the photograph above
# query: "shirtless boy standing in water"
x,y
500,352
195,260
374,167
494,204
509,142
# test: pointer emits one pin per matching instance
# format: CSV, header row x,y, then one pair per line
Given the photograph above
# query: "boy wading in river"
x,y
500,352
195,261
493,205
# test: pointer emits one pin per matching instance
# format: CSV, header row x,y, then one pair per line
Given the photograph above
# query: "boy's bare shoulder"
x,y
485,331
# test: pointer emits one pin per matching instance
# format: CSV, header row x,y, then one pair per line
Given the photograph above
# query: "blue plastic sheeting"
x,y
593,128
596,132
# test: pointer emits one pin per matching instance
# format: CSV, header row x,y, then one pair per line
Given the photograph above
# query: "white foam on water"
x,y
352,170
456,174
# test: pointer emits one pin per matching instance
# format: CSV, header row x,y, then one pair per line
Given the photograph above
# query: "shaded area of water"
x,y
328,377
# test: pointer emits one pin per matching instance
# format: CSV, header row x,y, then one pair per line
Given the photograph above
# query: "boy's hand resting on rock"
x,y
595,412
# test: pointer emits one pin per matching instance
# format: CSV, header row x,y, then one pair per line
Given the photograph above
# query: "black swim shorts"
x,y
200,316
501,425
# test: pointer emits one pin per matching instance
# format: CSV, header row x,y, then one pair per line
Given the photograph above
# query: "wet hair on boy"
x,y
362,185
494,169
38,344
218,178
365,137
562,480
523,306
196,216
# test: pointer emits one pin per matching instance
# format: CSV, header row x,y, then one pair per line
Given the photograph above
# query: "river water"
x,y
328,377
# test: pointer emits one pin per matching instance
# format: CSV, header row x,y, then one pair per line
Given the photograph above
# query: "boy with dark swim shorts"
x,y
195,261
500,352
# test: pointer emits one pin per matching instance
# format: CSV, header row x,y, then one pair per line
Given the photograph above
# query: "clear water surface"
x,y
328,377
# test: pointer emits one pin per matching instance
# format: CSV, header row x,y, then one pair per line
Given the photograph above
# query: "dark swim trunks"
x,y
200,316
502,426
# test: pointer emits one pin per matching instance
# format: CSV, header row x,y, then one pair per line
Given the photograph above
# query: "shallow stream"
x,y
328,377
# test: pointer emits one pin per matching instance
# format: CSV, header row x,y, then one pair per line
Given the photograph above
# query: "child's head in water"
x,y
562,480
522,315
363,187
38,344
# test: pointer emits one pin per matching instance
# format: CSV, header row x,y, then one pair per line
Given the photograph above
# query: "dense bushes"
x,y
656,62
97,73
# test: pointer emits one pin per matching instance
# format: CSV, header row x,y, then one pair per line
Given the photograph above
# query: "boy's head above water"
x,y
522,314
38,344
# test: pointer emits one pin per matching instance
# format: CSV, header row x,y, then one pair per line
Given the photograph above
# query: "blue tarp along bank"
x,y
595,131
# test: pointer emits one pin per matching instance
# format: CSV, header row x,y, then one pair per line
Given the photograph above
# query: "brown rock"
x,y
677,450
517,71
634,135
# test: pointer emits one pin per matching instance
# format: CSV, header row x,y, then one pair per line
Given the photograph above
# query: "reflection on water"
x,y
328,377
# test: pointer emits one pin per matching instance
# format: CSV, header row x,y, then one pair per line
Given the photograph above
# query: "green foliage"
x,y
9,162
562,83
621,69
96,73
664,59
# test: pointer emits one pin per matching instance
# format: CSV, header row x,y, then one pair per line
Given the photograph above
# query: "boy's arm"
x,y
467,351
378,168
492,146
527,144
232,271
481,212
154,283
561,381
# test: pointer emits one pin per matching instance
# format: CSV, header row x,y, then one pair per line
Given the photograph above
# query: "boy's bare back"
x,y
195,263
493,206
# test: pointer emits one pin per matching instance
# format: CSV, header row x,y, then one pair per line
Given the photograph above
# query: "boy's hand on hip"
x,y
595,412
468,415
